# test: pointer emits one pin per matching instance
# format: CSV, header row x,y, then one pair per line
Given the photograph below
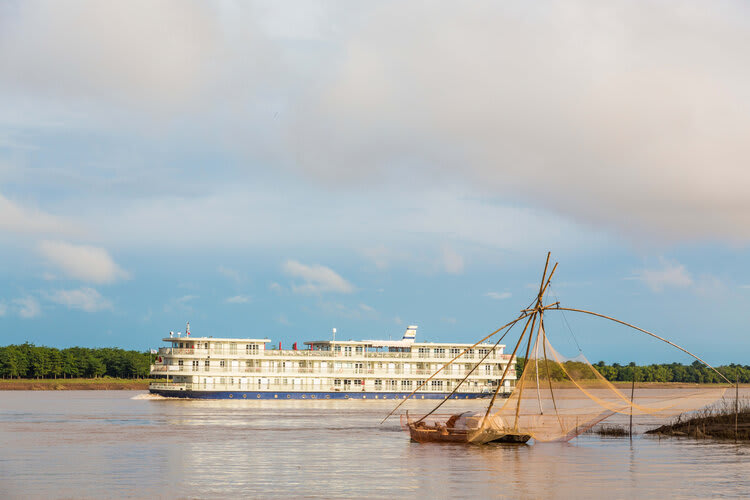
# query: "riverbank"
x,y
75,384
127,384
718,422
668,385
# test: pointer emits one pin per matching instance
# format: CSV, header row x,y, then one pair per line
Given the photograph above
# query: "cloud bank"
x,y
629,116
86,299
316,278
81,262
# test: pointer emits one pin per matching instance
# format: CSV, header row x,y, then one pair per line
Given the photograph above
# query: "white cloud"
x,y
283,320
82,262
85,298
316,278
28,307
109,51
239,299
16,219
230,274
452,262
3,308
498,295
366,308
180,304
382,257
275,287
398,320
670,274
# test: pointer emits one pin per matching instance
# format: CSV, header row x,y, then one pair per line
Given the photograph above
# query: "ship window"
x,y
424,352
406,384
439,352
222,363
470,353
359,349
232,348
378,384
455,352
179,362
337,382
251,349
347,382
348,350
222,380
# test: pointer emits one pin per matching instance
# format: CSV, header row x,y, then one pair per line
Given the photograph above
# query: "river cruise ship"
x,y
246,368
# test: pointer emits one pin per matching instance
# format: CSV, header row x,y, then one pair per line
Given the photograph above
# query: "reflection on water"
x,y
125,444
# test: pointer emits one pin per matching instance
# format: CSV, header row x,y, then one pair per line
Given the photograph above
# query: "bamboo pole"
x,y
451,362
462,381
632,395
536,368
526,363
643,331
549,378
505,372
736,403
538,306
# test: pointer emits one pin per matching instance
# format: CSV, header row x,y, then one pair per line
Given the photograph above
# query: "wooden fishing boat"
x,y
459,428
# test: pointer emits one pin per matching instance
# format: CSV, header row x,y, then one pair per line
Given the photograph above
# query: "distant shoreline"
x,y
125,384
75,384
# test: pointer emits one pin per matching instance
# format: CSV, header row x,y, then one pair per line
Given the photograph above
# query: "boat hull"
x,y
190,394
437,435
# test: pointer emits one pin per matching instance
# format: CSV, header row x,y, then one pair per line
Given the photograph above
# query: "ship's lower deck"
x,y
308,395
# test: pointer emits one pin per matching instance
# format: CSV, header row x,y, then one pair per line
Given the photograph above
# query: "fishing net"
x,y
558,398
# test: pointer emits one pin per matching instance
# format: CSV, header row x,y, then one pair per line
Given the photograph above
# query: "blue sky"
x,y
277,171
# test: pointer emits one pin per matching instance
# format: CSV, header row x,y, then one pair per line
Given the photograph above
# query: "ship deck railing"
x,y
317,354
317,371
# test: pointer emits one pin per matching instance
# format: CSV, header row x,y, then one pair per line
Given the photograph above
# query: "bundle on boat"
x,y
556,398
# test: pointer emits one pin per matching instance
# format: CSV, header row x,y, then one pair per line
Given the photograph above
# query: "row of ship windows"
x,y
348,383
252,349
357,366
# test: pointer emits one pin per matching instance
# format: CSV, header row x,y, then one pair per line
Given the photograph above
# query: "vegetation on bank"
x,y
695,373
718,421
74,384
27,361
610,430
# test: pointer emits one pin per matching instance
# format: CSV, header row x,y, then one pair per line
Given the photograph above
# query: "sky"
x,y
279,169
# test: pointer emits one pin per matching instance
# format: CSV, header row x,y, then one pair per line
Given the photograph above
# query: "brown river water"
x,y
122,444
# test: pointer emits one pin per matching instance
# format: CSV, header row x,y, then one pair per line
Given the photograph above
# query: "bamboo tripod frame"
x,y
535,314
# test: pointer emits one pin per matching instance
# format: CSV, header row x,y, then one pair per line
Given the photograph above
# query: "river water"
x,y
119,444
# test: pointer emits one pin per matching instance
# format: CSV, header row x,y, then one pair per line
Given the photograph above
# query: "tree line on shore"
x,y
35,362
695,373
30,362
